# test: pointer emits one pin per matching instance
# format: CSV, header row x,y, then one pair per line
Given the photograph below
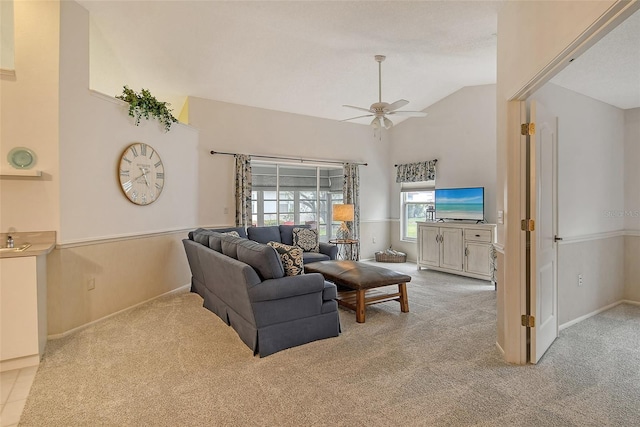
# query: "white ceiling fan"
x,y
380,110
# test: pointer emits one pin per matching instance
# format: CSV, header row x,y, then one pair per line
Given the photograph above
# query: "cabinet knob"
x,y
477,235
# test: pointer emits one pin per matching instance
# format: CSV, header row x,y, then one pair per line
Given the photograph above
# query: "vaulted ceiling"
x,y
310,58
295,56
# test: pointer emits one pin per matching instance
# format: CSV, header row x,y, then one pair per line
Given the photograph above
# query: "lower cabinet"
x,y
463,249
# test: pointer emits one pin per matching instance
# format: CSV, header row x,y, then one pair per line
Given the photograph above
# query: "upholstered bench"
x,y
361,279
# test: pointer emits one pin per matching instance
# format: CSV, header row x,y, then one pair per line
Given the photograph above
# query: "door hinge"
x,y
527,225
528,129
528,320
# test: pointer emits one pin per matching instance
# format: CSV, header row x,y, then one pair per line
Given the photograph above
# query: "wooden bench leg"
x,y
404,300
360,307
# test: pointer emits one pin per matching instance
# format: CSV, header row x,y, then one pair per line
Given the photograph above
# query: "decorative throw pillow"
x,y
306,239
232,233
291,257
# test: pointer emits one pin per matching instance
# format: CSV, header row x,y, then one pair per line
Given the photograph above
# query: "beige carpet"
x,y
173,363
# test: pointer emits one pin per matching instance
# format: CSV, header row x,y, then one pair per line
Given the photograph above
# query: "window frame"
x,y
323,198
413,187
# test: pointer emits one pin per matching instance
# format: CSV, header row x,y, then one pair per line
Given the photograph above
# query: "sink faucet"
x,y
9,242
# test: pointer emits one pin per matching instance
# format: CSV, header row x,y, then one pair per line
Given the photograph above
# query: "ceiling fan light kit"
x,y
380,110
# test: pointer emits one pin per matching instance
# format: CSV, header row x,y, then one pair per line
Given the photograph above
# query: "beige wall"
x,y
632,266
600,261
531,37
29,118
125,272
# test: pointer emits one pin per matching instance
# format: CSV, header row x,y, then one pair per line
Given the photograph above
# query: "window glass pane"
x,y
287,219
270,195
269,206
287,195
254,206
307,205
270,219
419,196
308,218
286,207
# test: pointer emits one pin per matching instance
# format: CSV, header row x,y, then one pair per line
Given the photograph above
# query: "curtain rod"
x,y
434,160
301,160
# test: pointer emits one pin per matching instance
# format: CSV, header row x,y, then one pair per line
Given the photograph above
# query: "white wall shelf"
x,y
20,172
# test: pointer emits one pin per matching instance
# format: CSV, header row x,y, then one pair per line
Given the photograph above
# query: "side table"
x,y
348,249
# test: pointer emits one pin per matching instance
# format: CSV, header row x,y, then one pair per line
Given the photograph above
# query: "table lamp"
x,y
343,213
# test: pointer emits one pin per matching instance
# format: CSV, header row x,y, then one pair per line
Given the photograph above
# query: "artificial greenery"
x,y
144,104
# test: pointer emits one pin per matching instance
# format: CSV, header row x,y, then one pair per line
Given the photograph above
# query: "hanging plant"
x,y
144,104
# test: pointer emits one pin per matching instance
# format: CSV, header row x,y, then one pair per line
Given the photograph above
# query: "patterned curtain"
x,y
351,195
243,190
415,172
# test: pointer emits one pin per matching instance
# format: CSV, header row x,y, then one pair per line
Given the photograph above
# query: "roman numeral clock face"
x,y
141,173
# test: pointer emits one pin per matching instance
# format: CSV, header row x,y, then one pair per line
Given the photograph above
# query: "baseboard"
x,y
19,363
93,322
626,301
593,313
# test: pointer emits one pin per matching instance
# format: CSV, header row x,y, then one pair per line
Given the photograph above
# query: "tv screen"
x,y
460,203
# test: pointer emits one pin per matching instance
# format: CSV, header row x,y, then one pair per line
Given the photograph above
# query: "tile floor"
x,y
14,386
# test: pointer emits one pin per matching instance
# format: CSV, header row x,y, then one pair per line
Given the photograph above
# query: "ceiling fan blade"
x,y
387,123
398,104
358,108
409,113
357,117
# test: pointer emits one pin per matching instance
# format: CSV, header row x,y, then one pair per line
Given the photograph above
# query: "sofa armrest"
x,y
286,287
329,249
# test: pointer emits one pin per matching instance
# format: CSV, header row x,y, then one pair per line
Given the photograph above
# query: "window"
x,y
417,204
292,194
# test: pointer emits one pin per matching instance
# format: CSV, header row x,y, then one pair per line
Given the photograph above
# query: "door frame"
x,y
515,296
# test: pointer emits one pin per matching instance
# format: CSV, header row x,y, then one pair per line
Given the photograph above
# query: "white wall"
x,y
460,132
632,203
29,105
94,131
590,162
248,130
632,169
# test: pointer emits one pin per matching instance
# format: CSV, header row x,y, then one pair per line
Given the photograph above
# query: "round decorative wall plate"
x,y
21,158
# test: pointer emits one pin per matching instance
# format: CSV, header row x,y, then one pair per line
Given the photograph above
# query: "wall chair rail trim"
x,y
121,237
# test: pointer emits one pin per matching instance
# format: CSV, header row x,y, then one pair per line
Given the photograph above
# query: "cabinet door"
x,y
428,246
451,248
478,258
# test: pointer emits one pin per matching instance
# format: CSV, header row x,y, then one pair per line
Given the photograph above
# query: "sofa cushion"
x,y
286,233
230,245
308,257
263,258
306,238
264,234
291,258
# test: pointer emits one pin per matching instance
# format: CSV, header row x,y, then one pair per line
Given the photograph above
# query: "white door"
x,y
543,209
451,248
429,246
477,258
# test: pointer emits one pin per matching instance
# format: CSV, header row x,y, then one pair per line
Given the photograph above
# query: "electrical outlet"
x,y
91,284
580,281
373,239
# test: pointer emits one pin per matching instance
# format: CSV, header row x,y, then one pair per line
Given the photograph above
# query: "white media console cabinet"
x,y
458,248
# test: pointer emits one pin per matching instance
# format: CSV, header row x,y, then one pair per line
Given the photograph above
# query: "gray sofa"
x,y
243,282
278,233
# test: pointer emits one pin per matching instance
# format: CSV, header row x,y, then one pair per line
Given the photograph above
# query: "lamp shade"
x,y
343,212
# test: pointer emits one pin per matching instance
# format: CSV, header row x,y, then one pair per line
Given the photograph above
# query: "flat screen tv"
x,y
460,203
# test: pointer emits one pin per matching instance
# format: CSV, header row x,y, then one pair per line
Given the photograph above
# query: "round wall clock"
x,y
141,173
